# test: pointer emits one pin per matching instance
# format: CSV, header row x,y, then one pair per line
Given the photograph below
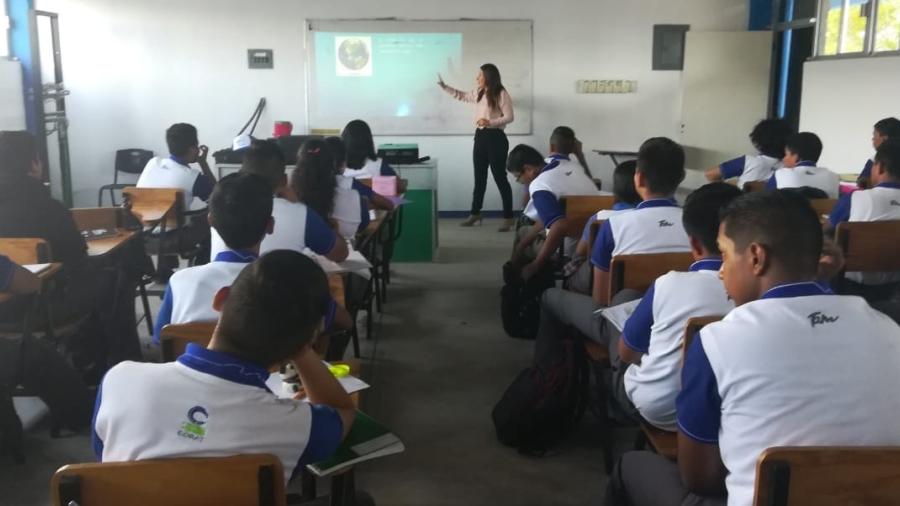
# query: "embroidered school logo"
x,y
664,223
193,427
820,318
895,203
569,173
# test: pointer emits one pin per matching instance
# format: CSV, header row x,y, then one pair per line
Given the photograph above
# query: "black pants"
x,y
491,148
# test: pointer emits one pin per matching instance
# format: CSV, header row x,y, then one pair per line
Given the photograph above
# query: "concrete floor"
x,y
438,364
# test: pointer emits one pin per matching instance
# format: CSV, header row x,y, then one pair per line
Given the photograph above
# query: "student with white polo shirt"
x,y
547,184
297,227
801,153
881,202
646,359
768,137
654,226
362,159
175,171
213,402
884,129
775,371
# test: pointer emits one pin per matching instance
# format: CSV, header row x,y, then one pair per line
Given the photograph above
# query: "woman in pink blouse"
x,y
493,111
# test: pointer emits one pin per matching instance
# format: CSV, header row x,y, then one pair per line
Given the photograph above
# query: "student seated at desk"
x,y
564,145
887,128
547,183
213,401
297,227
654,226
579,270
801,153
775,371
768,137
339,152
652,339
362,159
175,171
881,202
28,210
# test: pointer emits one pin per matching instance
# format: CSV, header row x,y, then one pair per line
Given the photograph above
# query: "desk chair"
x,y
174,338
828,476
754,186
869,246
577,210
25,251
823,206
638,272
128,161
661,441
242,479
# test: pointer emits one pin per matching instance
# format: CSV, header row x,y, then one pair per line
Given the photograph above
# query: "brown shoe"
x,y
471,221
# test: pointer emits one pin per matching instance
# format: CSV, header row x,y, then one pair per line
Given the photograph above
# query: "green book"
x,y
367,440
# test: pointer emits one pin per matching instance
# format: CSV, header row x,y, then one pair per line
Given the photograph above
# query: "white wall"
x,y
135,67
842,99
12,108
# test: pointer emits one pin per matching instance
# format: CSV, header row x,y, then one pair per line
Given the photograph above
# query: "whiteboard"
x,y
385,72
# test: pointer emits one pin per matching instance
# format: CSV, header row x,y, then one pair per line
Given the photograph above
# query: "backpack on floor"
x,y
520,301
544,403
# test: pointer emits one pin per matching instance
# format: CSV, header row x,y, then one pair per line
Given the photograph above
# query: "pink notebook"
x,y
385,185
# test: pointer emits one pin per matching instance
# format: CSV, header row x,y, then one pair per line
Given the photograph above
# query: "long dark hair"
x,y
492,85
357,137
313,179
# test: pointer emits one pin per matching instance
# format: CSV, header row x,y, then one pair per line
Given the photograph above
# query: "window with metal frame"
x,y
858,27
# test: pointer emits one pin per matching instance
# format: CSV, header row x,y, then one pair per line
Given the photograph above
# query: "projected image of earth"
x,y
354,53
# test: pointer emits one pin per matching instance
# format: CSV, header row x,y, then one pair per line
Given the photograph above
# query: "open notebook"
x,y
367,440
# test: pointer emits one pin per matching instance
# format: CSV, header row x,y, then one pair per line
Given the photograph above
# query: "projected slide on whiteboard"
x,y
385,72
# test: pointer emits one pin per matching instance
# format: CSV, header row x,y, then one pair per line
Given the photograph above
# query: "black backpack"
x,y
544,403
520,301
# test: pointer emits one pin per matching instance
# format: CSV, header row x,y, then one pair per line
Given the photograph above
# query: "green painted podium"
x,y
418,241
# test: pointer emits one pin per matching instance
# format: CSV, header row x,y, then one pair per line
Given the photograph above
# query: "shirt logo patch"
x,y
820,318
569,173
895,203
664,223
193,427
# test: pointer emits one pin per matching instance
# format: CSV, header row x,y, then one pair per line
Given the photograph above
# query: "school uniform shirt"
x,y
190,292
371,168
806,174
750,168
561,177
879,203
790,369
350,209
207,404
7,268
169,172
297,227
603,215
654,226
867,169
656,329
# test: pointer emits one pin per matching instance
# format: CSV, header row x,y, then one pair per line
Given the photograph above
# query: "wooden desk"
x,y
44,272
614,154
106,245
336,287
152,205
375,225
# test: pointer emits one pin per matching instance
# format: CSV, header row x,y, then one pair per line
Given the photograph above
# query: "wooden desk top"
x,y
374,225
151,214
43,272
336,287
106,245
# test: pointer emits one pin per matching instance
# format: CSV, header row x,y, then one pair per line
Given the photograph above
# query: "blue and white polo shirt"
x,y
297,227
350,210
603,215
750,168
798,367
656,329
806,174
654,226
882,202
561,177
207,404
172,173
371,168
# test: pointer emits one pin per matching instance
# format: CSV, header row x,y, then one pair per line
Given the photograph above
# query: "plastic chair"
x,y
128,161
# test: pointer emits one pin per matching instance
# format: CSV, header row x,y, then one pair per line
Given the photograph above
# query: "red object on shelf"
x,y
282,129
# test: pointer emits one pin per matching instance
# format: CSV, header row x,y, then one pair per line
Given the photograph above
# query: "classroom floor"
x,y
439,362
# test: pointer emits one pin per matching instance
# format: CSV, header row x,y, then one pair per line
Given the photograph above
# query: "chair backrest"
x,y
693,326
579,208
870,246
92,218
822,206
754,186
828,476
150,205
173,339
638,272
241,479
131,161
26,250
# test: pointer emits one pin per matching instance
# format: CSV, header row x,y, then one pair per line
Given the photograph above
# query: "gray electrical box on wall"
x,y
260,59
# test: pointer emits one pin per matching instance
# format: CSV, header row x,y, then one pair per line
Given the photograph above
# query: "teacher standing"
x,y
493,111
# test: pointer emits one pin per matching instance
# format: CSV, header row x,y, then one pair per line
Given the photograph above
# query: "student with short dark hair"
x,y
801,154
881,202
175,171
768,137
652,338
27,209
564,144
765,375
214,401
547,184
297,227
883,130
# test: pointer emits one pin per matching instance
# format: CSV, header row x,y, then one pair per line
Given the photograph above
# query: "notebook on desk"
x,y
367,440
